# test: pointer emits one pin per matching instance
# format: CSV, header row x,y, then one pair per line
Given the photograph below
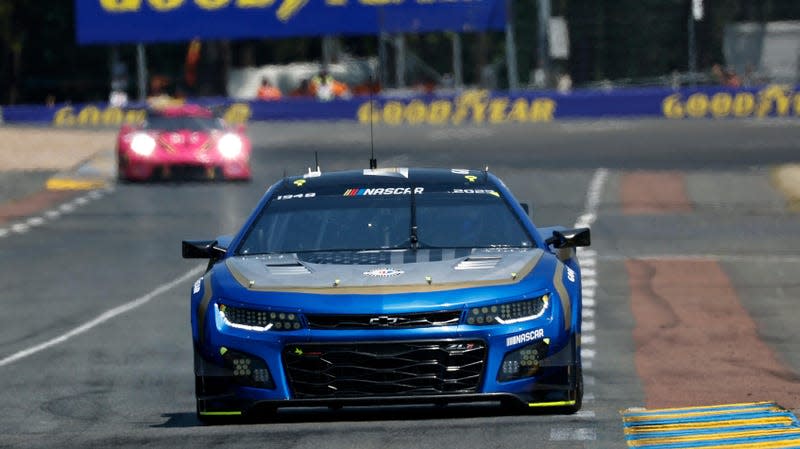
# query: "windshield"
x,y
181,123
449,219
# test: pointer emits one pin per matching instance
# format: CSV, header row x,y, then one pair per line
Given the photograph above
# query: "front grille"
x,y
347,370
400,321
189,172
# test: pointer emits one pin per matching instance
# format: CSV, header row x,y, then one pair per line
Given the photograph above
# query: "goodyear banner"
x,y
476,107
117,21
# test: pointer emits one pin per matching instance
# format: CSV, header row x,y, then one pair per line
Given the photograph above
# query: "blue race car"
x,y
387,286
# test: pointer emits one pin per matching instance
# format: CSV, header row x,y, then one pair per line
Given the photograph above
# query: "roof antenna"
x,y
485,173
315,172
373,163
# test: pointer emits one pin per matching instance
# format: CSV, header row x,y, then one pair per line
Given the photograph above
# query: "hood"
x,y
184,140
383,272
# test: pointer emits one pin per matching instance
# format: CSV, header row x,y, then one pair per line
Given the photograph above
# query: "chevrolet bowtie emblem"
x,y
383,320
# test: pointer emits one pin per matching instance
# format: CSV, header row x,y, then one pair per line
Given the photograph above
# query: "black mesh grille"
x,y
384,369
399,321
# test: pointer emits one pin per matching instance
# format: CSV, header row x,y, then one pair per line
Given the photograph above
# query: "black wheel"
x,y
211,417
575,394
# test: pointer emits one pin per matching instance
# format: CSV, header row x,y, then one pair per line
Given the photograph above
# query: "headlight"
x,y
143,144
258,320
230,146
509,313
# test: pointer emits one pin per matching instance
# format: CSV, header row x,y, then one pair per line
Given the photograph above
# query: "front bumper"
x,y
135,168
366,382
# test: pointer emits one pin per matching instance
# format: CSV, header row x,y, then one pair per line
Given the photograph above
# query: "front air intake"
x,y
347,370
287,269
477,263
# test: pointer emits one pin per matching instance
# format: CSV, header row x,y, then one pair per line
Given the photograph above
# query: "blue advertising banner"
x,y
118,21
475,107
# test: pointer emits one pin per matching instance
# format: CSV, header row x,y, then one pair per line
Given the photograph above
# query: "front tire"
x,y
575,394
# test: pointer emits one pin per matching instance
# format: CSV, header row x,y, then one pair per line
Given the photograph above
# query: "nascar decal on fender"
x,y
525,337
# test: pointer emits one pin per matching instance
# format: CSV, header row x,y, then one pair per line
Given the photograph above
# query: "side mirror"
x,y
202,249
570,238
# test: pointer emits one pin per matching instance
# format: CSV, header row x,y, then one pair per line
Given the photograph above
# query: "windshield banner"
x,y
117,21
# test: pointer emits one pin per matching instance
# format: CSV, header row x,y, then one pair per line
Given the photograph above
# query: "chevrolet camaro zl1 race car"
x,y
387,286
182,142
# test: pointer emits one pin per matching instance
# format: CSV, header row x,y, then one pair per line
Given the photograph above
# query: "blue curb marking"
x,y
762,424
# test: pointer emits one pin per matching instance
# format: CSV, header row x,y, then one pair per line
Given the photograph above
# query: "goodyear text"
x,y
472,107
772,101
92,115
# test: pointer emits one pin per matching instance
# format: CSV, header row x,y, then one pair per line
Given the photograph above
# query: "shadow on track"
x,y
360,414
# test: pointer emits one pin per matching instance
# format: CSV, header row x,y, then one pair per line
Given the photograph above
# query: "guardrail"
x,y
475,107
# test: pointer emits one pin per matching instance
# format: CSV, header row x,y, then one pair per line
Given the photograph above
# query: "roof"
x,y
392,176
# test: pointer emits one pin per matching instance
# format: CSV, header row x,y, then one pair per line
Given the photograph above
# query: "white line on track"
x,y
20,228
103,317
588,263
569,434
35,221
52,214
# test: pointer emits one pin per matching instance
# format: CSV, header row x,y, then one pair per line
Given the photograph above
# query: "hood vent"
x,y
478,263
290,268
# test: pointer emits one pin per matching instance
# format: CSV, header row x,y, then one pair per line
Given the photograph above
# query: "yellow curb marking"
x,y
75,184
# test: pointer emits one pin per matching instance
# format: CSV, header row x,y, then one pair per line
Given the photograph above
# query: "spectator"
x,y
368,87
303,90
326,88
268,92
564,83
725,77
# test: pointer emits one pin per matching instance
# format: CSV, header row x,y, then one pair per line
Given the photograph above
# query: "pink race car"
x,y
184,142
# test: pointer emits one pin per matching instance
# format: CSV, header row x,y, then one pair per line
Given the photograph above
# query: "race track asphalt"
x,y
125,378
